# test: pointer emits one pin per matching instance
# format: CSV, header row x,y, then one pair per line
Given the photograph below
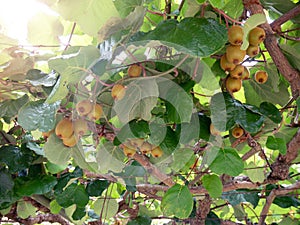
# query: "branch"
x,y
153,170
272,196
275,25
281,62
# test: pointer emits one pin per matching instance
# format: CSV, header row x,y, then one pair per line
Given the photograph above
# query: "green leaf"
x,y
90,15
109,158
226,112
6,186
276,144
25,186
217,3
44,29
181,156
252,22
71,67
73,194
292,54
255,174
56,152
25,209
96,187
140,220
107,208
234,8
140,98
202,37
179,103
16,158
37,77
212,219
55,207
175,196
227,161
269,110
38,115
213,184
10,108
298,104
236,197
124,7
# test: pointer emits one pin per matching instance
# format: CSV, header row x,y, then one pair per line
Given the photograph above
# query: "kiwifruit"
x,y
129,152
246,74
157,152
64,128
146,147
235,35
118,91
84,107
80,127
134,70
96,112
237,132
256,36
70,141
252,50
225,65
235,54
237,72
214,131
261,76
233,84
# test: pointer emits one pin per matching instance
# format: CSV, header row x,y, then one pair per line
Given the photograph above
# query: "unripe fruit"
x,y
256,36
70,141
261,76
84,107
157,152
118,91
225,65
64,128
80,127
214,131
252,50
235,54
235,35
129,152
237,72
246,74
237,132
146,148
233,84
95,113
134,70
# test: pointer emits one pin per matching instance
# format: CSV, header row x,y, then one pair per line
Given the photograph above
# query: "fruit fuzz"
x,y
233,84
225,65
134,70
84,107
64,128
235,35
95,113
118,91
256,36
237,132
234,54
237,72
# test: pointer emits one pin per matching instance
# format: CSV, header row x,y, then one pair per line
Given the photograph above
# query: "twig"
x,y
70,38
275,25
274,193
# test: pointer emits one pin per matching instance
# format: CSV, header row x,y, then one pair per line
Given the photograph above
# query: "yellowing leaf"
x,y
17,66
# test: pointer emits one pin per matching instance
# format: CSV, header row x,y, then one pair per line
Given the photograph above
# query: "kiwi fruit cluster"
x,y
132,145
118,91
231,60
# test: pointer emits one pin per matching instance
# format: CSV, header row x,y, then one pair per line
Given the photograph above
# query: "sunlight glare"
x,y
15,14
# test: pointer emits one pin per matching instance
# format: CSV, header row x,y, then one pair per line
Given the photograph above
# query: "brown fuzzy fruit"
x,y
235,54
225,65
237,132
95,113
70,141
146,148
157,152
256,36
129,152
261,76
235,35
80,127
214,131
47,134
118,91
64,128
237,72
252,50
134,70
233,84
246,74
84,107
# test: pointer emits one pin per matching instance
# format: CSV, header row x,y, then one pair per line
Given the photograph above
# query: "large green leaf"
x,y
6,187
269,110
177,201
227,161
96,187
90,15
124,7
72,68
107,208
276,144
10,108
73,194
140,220
38,115
25,209
213,184
236,197
140,98
226,112
202,37
180,157
25,186
37,77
